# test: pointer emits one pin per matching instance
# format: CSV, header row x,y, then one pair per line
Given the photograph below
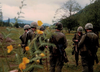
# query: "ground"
x,y
68,67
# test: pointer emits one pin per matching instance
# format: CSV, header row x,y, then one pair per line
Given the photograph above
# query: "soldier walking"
x,y
88,46
56,53
42,39
23,37
76,40
31,33
30,36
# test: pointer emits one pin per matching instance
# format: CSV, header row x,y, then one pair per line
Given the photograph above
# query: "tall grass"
x,y
68,67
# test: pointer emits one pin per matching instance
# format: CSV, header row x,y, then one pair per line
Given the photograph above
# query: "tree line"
x,y
89,14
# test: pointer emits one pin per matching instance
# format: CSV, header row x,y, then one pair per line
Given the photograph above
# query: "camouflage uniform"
x,y
55,55
30,36
88,46
23,38
31,33
38,43
75,48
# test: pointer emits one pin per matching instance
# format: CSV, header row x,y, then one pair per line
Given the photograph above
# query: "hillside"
x,y
89,14
22,21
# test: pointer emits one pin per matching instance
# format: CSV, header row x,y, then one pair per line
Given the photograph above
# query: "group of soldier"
x,y
84,44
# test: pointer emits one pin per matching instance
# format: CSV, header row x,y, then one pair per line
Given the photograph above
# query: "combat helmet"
x,y
80,29
59,26
42,28
33,25
26,27
89,26
29,27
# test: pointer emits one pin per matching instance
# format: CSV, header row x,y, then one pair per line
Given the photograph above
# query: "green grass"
x,y
68,67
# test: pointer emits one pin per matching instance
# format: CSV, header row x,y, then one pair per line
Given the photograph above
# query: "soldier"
x,y
23,37
88,46
31,34
56,53
76,40
29,28
38,43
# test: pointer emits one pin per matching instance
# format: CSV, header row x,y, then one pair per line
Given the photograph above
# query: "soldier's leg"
x,y
60,64
31,63
73,50
76,57
85,69
59,68
31,69
96,58
90,68
90,63
24,50
84,60
52,63
41,62
41,49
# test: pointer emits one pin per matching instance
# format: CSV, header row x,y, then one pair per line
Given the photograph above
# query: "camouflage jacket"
x,y
89,42
23,39
58,39
41,37
76,37
31,35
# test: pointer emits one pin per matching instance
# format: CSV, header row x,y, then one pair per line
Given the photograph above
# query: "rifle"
x,y
22,44
21,39
61,50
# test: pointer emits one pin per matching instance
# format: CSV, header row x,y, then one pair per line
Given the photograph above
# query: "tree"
x,y
70,23
72,6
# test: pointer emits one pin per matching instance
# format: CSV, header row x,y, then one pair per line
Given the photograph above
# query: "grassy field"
x,y
68,67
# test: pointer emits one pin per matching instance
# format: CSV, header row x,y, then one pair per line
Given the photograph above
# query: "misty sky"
x,y
35,10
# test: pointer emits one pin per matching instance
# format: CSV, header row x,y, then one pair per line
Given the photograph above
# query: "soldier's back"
x,y
24,37
59,38
91,38
91,41
30,35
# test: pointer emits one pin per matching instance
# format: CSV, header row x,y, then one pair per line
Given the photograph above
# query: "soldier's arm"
x,y
74,38
26,39
80,44
97,44
21,39
65,42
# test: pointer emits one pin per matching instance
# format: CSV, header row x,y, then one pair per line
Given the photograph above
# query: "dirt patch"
x,y
6,40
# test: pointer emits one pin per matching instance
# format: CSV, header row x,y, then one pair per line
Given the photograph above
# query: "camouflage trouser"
x,y
87,62
24,49
76,57
56,61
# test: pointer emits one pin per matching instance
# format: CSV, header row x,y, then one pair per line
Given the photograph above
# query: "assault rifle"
x,y
22,44
61,50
